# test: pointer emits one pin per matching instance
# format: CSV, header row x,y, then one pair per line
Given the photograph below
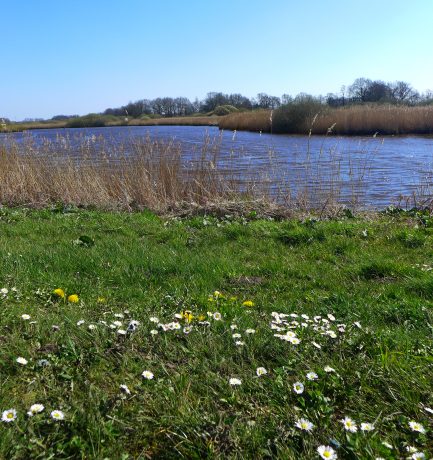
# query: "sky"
x,y
82,56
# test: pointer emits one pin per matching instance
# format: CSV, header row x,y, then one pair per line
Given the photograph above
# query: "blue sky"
x,y
81,56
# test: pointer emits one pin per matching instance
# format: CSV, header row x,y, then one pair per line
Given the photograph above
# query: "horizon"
x,y
86,58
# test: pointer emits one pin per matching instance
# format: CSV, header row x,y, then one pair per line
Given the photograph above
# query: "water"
x,y
374,172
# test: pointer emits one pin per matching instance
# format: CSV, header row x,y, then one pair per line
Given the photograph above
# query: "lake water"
x,y
375,172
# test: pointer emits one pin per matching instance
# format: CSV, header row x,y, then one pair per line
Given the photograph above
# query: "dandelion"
x,y
35,409
415,426
328,369
101,300
367,427
312,376
327,452
298,388
25,317
21,360
147,375
248,303
79,323
9,415
217,316
304,424
349,425
235,382
57,415
125,388
73,298
59,293
261,371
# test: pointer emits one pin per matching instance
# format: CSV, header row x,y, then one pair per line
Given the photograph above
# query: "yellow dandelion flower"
x,y
248,303
101,300
59,293
73,298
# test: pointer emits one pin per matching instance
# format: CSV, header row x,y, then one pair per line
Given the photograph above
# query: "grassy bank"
x,y
361,349
299,118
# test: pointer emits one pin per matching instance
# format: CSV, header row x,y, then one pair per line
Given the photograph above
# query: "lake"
x,y
374,172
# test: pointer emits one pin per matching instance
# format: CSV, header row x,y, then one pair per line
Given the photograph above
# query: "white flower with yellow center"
x,y
125,388
304,424
9,415
261,371
312,376
349,425
25,317
217,316
327,452
35,409
57,415
235,382
328,369
147,375
21,360
415,426
367,427
298,388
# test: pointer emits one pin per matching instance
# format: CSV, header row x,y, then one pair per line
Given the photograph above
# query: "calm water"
x,y
377,171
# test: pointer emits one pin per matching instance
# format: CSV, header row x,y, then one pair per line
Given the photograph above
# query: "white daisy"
x,y
154,332
327,452
234,381
9,415
147,375
117,323
35,409
236,336
349,424
217,316
154,319
328,369
79,323
312,376
367,427
57,415
298,387
415,426
25,317
125,388
21,360
250,331
304,424
91,327
261,371
121,332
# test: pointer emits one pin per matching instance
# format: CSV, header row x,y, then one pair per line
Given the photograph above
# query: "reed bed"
x,y
353,120
177,121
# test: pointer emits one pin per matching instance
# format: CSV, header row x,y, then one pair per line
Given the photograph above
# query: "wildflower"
x,y
4,292
73,298
59,293
178,316
415,426
217,294
119,315
147,375
91,327
261,371
236,336
233,327
316,345
298,388
57,415
79,323
35,409
367,427
294,340
217,316
327,452
101,300
121,331
201,317
248,303
54,327
154,332
21,360
187,329
154,319
125,388
349,425
304,424
234,381
331,316
328,369
331,334
239,343
250,331
117,323
25,317
43,363
9,415
357,324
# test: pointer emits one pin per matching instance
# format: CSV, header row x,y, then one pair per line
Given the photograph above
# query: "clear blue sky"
x,y
81,56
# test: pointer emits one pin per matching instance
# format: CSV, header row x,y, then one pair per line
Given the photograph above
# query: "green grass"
x,y
372,271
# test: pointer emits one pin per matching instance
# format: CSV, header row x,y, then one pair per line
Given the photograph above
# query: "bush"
x,y
224,110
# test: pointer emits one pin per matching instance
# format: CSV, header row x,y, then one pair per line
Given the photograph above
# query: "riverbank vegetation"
x,y
127,335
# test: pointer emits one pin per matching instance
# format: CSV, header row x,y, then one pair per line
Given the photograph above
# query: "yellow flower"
x,y
59,292
248,303
73,298
201,317
188,316
101,300
217,294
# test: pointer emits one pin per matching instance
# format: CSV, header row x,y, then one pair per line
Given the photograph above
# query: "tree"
x,y
359,88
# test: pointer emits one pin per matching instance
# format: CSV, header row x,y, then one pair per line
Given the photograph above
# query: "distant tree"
x,y
286,99
264,101
359,88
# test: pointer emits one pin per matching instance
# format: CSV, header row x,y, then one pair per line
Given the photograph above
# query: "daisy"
x,y
367,427
234,381
349,425
154,319
327,452
331,316
121,332
25,317
119,315
233,327
328,369
125,388
91,327
217,316
147,375
298,388
35,409
117,323
154,332
57,415
415,426
21,360
316,345
417,455
261,371
9,415
312,376
239,343
187,329
250,331
236,336
304,424
294,341
79,323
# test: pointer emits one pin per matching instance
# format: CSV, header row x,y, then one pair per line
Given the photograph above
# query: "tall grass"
x,y
354,120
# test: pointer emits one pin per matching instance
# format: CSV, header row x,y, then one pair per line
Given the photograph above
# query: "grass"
x,y
351,120
372,274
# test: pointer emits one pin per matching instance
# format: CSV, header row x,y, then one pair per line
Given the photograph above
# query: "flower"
x,y
35,409
121,331
117,323
349,425
217,316
248,303
312,376
91,327
316,345
327,452
415,426
59,293
328,369
73,298
125,389
154,332
154,319
101,300
79,323
261,371
9,415
236,336
234,381
57,415
298,387
417,455
147,375
21,360
239,343
304,424
25,317
250,331
367,427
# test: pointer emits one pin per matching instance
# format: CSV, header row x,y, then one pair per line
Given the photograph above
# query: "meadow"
x,y
133,336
